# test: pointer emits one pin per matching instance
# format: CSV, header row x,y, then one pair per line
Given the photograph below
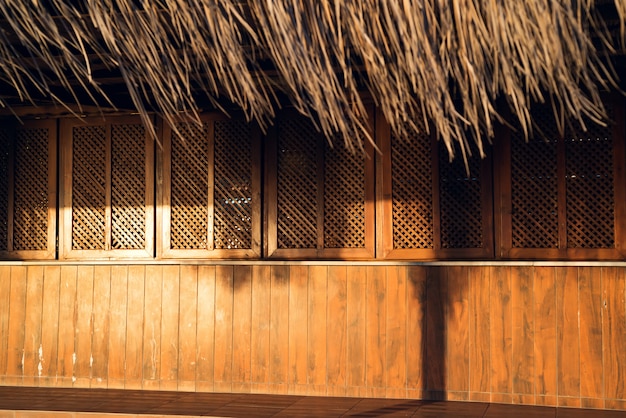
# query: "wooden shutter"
x,y
107,189
562,197
320,198
28,190
431,207
211,189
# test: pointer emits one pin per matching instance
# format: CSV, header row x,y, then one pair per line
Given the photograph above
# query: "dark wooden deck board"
x,y
162,403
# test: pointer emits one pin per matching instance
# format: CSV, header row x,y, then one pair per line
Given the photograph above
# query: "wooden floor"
x,y
22,402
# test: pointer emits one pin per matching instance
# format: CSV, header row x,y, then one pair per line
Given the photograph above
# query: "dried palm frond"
x,y
439,63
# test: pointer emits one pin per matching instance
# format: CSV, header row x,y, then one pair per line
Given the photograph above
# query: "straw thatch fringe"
x,y
439,63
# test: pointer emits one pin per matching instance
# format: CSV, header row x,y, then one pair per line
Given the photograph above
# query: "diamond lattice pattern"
x,y
589,188
344,197
534,185
5,145
460,198
89,187
128,186
233,194
189,211
412,191
297,184
30,223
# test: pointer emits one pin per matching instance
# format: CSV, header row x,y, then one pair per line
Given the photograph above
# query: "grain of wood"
x,y
133,378
242,327
49,324
187,328
375,331
590,300
151,330
223,366
396,331
356,332
501,332
545,330
416,328
298,326
67,326
84,326
317,312
170,311
205,350
336,331
480,325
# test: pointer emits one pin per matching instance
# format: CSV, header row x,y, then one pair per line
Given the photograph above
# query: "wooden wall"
x,y
512,334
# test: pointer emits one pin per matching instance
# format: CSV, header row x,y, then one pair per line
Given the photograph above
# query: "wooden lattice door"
x,y
431,207
562,195
211,205
107,192
320,198
28,189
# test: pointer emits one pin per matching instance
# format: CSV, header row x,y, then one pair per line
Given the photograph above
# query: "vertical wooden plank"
x,y
17,315
356,323
153,287
223,328
187,328
279,329
457,333
590,297
49,324
416,335
479,330
242,320
501,335
101,323
298,323
67,315
260,327
117,327
84,330
434,361
336,333
317,322
614,332
169,328
396,327
567,337
522,304
545,347
134,327
5,304
375,331
205,329
32,325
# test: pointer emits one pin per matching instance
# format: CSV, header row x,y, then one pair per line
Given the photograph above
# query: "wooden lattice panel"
x,y
189,187
233,191
5,145
460,200
30,210
128,186
534,186
297,184
88,187
589,188
412,199
344,198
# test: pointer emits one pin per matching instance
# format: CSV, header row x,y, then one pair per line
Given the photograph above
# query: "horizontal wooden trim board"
x,y
346,263
552,335
30,402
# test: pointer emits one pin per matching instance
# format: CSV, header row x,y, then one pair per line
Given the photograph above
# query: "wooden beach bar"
x,y
226,199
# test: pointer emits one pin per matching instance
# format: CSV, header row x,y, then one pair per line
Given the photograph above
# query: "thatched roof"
x,y
453,62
